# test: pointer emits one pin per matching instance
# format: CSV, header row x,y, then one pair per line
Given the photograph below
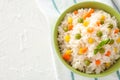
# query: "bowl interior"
x,y
88,4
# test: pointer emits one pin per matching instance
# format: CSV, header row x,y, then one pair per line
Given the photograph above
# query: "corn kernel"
x,y
85,23
70,20
90,40
82,50
115,49
107,65
102,17
118,40
67,38
68,51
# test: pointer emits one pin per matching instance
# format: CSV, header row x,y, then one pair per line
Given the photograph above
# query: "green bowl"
x,y
87,4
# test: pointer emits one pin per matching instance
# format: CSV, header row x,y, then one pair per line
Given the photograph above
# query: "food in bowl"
x,y
89,40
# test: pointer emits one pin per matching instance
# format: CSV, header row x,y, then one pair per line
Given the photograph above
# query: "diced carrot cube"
x,y
76,12
97,62
108,53
70,27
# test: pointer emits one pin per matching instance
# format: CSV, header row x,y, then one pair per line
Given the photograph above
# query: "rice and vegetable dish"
x,y
89,40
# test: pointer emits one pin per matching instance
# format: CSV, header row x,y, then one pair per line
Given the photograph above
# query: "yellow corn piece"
x,y
115,49
85,23
90,40
118,40
68,51
70,20
67,38
102,17
107,65
82,50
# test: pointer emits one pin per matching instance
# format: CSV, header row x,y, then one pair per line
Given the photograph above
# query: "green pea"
x,y
111,41
65,29
102,50
99,33
87,62
102,21
77,36
110,26
80,20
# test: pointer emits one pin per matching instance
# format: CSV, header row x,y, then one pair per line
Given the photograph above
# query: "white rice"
x,y
77,60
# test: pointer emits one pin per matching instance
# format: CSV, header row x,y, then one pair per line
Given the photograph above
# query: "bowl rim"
x,y
56,47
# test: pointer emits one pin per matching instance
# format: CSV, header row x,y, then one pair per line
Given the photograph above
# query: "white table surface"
x,y
24,42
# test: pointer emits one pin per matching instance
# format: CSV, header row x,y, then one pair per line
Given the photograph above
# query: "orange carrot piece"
x,y
85,15
90,30
75,12
108,53
84,49
97,62
88,14
70,27
91,11
116,31
98,23
66,57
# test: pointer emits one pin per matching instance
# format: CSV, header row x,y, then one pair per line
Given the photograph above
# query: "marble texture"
x,y
24,42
